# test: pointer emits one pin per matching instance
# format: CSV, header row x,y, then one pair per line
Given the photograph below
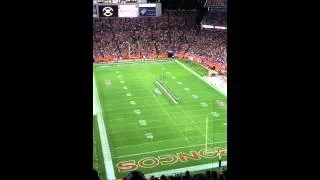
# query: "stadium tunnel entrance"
x,y
170,54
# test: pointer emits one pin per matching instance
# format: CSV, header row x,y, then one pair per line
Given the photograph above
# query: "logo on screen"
x,y
147,11
107,11
143,11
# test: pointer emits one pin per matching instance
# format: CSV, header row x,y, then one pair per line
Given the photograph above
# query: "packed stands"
x,y
154,37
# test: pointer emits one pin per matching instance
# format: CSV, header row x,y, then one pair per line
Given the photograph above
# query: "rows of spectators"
x,y
210,43
153,37
209,175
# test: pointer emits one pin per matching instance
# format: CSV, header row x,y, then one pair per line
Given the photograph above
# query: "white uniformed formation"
x,y
137,111
133,102
215,114
157,91
149,135
142,122
203,104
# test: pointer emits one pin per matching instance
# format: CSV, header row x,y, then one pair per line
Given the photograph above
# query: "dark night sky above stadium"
x,y
180,4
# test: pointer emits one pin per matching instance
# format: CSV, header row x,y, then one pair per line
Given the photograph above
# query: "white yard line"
x,y
129,106
194,87
125,101
124,124
142,129
150,105
191,137
103,136
134,139
122,62
143,144
149,122
128,113
168,149
96,154
191,119
130,123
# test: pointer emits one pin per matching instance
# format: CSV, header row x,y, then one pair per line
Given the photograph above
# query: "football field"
x,y
138,126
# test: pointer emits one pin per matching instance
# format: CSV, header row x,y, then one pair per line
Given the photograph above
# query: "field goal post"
x,y
217,105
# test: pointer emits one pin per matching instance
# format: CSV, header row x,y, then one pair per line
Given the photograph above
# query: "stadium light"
x,y
206,142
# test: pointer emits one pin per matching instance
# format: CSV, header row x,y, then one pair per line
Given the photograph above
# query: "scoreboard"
x,y
132,10
149,10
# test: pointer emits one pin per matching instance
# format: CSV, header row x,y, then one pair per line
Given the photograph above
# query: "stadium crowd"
x,y
153,37
209,175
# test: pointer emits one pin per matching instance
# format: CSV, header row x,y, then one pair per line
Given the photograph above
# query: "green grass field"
x,y
195,67
147,131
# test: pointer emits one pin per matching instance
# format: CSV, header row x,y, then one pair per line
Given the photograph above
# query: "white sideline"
x,y
103,136
132,62
94,108
169,149
167,92
197,75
